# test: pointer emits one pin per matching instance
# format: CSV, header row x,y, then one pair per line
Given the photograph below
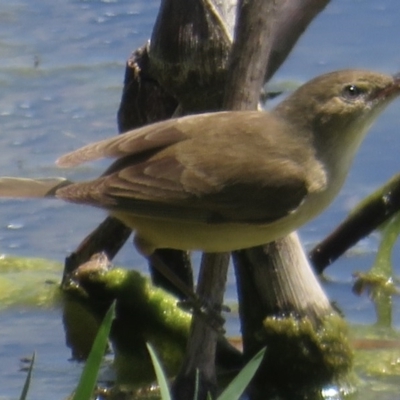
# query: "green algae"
x,y
144,313
302,357
29,282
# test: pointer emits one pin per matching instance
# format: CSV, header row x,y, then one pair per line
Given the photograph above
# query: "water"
x,y
61,73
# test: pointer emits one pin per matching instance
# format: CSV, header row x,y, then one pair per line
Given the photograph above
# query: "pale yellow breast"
x,y
155,233
152,233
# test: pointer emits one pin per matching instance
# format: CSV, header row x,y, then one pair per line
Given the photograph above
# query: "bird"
x,y
228,180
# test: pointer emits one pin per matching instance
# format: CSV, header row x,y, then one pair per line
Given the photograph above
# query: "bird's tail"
x,y
35,188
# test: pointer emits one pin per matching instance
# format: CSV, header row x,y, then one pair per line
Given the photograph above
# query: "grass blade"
x,y
236,388
25,389
161,379
88,379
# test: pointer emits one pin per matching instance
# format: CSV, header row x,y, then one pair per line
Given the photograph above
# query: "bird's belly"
x,y
154,233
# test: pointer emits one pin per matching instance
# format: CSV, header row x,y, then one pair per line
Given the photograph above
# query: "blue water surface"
x,y
61,73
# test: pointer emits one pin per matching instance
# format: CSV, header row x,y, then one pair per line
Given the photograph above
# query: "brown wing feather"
x,y
154,188
182,177
150,137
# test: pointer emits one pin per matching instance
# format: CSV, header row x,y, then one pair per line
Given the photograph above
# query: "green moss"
x,y
136,297
376,361
377,351
29,282
374,283
144,313
301,357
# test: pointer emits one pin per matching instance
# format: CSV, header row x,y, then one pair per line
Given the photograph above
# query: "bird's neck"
x,y
335,138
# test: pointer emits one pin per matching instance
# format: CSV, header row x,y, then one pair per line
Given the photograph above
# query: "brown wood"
x,y
202,344
372,212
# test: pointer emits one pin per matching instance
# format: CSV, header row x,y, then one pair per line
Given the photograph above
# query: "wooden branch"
x,y
250,54
276,282
202,343
291,21
283,307
367,216
189,52
98,241
144,100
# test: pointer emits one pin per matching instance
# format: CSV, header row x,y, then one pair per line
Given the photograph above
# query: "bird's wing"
x,y
147,138
255,183
30,188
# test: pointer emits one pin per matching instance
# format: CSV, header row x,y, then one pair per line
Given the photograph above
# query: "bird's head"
x,y
338,108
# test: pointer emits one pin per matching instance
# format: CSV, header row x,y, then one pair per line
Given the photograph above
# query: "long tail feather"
x,y
24,187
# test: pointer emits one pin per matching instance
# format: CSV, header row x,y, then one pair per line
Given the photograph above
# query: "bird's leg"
x,y
212,316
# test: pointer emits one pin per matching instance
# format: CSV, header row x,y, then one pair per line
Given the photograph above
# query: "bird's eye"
x,y
352,92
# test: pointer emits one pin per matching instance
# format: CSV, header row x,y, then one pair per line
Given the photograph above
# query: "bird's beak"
x,y
390,91
396,82
396,77
393,89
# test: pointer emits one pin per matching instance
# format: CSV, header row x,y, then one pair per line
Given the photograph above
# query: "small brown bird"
x,y
228,180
